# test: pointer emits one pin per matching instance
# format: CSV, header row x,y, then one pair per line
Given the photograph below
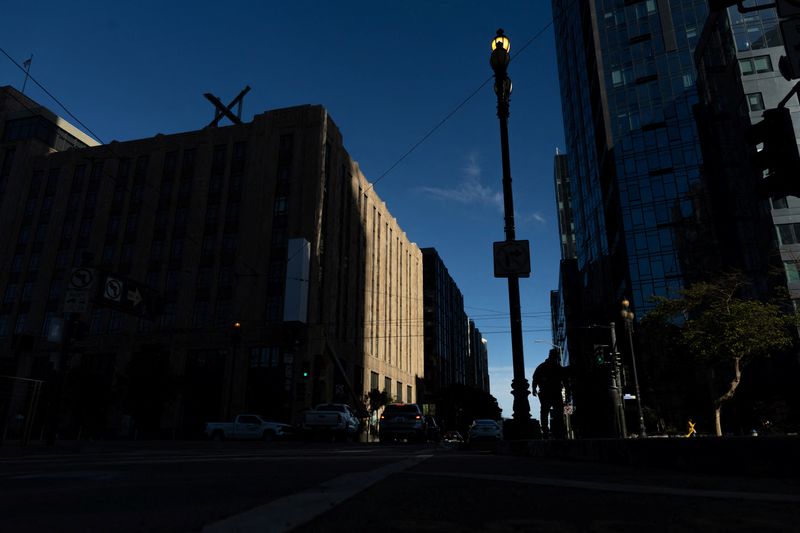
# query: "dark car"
x,y
402,421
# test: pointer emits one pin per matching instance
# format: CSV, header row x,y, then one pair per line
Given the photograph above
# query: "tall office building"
x,y
644,219
447,340
268,224
758,46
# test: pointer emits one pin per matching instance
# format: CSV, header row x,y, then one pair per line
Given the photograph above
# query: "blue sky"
x,y
387,72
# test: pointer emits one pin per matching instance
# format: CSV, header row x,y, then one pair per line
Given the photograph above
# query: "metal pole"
x,y
519,384
629,327
616,387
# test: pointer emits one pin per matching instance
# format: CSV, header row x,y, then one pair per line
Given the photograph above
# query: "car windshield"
x,y
484,423
406,409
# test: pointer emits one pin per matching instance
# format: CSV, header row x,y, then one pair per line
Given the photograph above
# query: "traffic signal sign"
x,y
778,159
305,370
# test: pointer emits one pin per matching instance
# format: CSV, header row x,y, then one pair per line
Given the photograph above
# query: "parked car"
x,y
338,419
485,428
402,421
247,427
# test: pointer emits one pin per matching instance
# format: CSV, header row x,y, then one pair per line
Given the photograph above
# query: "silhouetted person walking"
x,y
550,377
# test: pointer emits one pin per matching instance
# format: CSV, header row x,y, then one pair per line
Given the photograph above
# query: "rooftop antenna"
x,y
221,110
27,66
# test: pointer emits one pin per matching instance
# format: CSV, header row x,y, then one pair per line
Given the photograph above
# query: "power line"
x,y
458,107
56,100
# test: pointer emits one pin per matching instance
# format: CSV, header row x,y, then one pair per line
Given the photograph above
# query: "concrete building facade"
x,y
269,224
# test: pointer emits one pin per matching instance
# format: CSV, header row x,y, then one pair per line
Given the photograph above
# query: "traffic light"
x,y
600,354
778,159
305,369
236,333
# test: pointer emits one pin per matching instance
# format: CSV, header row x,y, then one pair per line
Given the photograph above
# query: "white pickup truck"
x,y
247,427
335,418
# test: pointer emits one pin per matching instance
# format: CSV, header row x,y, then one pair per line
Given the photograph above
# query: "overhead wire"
x,y
424,138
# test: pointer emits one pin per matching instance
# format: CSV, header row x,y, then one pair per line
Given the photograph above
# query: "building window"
x,y
755,65
399,391
755,101
173,280
114,322
789,233
373,381
20,326
27,291
56,290
33,263
156,250
11,293
792,272
408,394
96,323
49,321
167,320
177,249
16,263
780,203
200,314
387,385
127,254
203,278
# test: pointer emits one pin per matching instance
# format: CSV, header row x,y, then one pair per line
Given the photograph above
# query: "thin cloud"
x,y
536,217
470,191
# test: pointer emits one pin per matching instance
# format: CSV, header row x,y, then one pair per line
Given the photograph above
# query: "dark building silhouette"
x,y
268,223
478,361
448,342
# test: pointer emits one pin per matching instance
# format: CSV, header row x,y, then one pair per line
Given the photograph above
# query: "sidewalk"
x,y
777,456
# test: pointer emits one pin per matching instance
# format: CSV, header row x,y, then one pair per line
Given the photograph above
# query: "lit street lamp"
x,y
499,60
628,316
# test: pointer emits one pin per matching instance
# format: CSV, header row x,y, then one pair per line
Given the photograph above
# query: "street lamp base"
x,y
514,429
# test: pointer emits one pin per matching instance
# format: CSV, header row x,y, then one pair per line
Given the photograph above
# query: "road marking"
x,y
287,513
623,487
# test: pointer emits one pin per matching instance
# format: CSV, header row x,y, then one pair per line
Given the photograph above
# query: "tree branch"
x,y
737,377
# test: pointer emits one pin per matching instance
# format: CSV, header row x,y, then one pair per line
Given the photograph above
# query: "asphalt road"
x,y
241,486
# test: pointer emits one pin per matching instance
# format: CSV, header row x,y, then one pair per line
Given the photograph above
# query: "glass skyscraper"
x,y
644,218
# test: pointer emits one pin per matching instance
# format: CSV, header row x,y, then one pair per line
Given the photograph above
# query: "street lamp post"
x,y
628,316
502,87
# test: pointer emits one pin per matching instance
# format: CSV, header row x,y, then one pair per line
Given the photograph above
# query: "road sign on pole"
x,y
512,259
79,290
127,296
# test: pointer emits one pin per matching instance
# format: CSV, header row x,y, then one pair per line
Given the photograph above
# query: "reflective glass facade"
x,y
628,87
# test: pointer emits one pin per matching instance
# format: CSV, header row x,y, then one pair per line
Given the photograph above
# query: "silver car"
x,y
484,428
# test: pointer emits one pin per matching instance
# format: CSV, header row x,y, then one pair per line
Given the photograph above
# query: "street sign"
x,y
79,290
127,296
512,259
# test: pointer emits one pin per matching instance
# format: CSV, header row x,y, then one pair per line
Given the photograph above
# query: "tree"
x,y
377,399
458,405
720,327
